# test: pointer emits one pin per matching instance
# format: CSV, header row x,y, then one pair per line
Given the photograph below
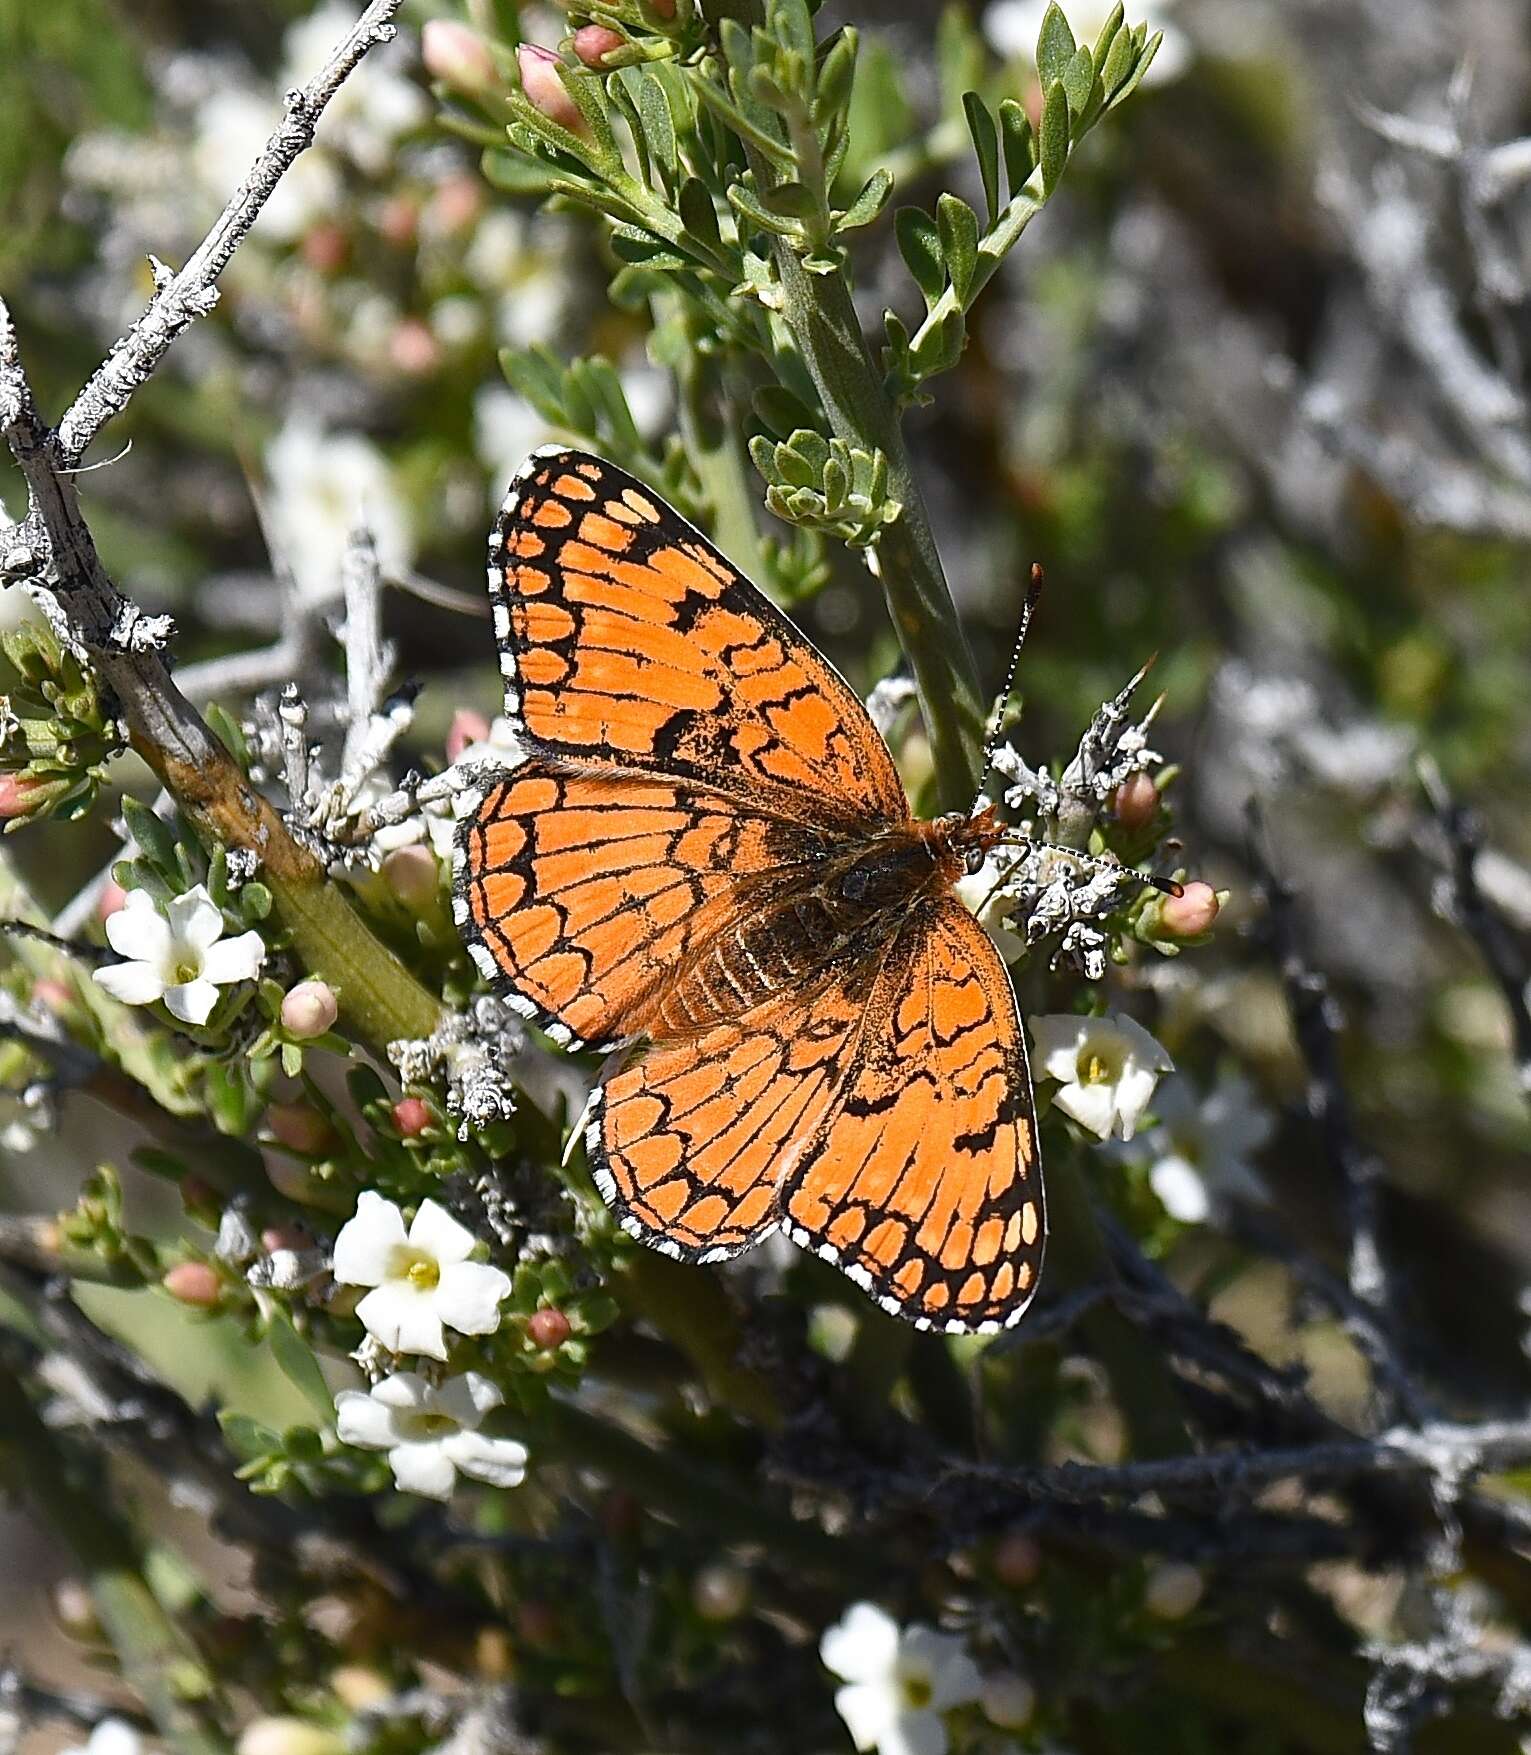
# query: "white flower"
x,y
320,486
506,429
180,956
111,1736
423,1282
374,106
1202,1150
982,893
232,128
431,1431
436,820
898,1681
1012,27
1106,1069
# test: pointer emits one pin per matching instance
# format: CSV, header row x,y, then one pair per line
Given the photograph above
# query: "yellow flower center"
x,y
434,1425
424,1275
186,973
1098,1069
917,1692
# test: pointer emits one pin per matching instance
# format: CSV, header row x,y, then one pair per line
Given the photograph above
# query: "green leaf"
x,y
659,126
919,243
986,145
1079,81
1109,32
1055,136
958,227
1020,145
698,214
1118,62
1055,46
837,73
789,200
299,1366
1135,78
247,1438
155,838
869,203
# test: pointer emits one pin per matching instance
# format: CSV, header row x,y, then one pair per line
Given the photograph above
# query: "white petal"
x,y
364,1421
1056,1041
868,1709
914,1733
404,1320
1181,1192
138,930
406,1391
1134,1091
424,1469
437,1234
862,1645
132,983
1092,1106
466,1399
235,959
366,1243
1139,1044
114,1736
468,1297
943,1660
499,1461
191,1001
195,920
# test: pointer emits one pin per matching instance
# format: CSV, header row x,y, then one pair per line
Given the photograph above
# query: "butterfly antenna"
x,y
1002,700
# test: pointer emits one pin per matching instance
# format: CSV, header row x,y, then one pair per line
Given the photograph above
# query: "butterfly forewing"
x,y
660,871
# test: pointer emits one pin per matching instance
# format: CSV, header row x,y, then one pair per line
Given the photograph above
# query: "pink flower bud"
x,y
325,247
398,220
194,1283
55,996
14,795
1008,1700
665,8
548,1329
545,91
594,42
1191,913
299,1127
454,206
276,1237
1017,1559
457,56
1135,802
110,900
413,349
413,875
411,1116
309,1009
467,728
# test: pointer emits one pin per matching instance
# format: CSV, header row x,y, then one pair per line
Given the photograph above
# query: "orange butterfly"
x,y
706,861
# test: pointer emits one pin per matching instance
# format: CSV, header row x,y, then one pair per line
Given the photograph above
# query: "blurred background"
x,y
1253,391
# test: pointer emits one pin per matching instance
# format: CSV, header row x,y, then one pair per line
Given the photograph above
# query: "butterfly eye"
x,y
973,859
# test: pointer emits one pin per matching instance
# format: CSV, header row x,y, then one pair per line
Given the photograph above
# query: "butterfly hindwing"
x,y
922,1181
626,639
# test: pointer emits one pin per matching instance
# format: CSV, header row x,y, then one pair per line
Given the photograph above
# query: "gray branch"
x,y
181,298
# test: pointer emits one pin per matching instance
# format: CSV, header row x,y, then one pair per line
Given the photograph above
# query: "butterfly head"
x,y
965,838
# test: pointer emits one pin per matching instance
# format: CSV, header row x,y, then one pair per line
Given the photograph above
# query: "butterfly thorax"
x,y
811,922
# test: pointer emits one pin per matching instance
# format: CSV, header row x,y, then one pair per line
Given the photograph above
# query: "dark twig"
x,y
1463,902
1317,1023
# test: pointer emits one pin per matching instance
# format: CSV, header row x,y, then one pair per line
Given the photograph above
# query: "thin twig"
x,y
181,298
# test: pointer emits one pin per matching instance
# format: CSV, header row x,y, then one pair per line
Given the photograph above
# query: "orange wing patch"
x,y
923,1181
627,640
689,1142
580,892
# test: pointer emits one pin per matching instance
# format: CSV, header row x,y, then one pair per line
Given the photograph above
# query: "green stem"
x,y
158,1663
822,316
